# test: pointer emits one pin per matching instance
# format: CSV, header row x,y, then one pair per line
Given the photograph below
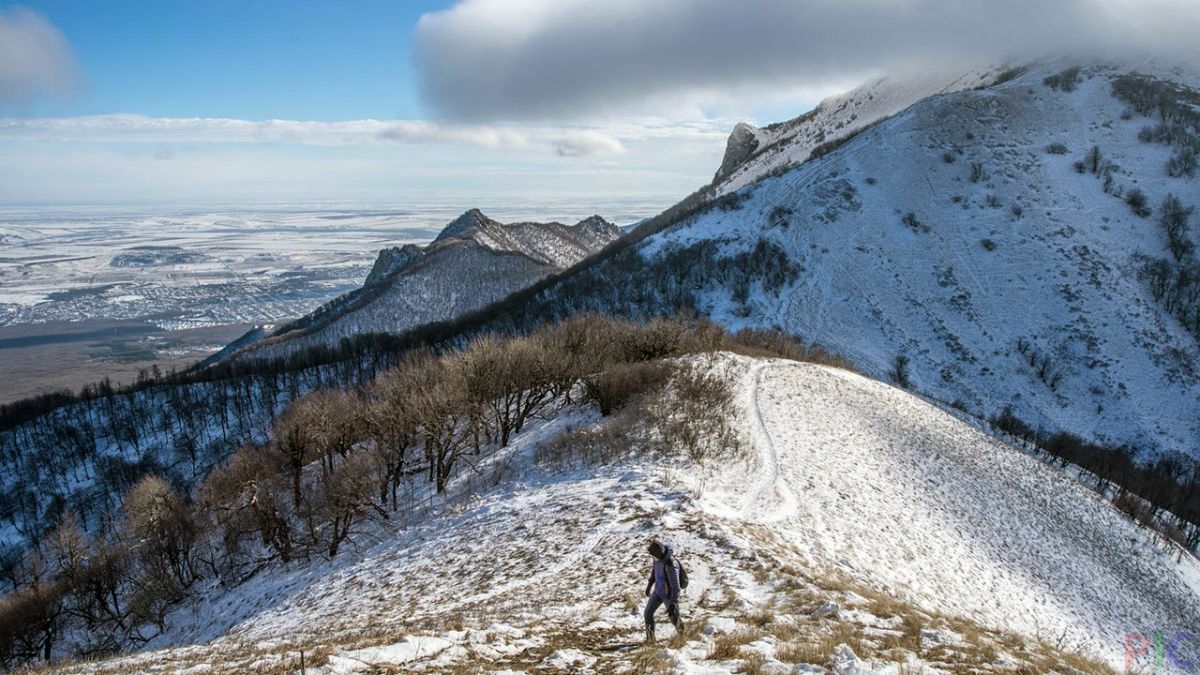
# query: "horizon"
x,y
196,103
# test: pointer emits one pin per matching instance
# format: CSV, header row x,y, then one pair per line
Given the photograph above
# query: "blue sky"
x,y
318,60
146,78
193,101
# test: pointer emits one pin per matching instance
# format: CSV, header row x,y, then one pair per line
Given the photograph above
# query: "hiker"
x,y
663,587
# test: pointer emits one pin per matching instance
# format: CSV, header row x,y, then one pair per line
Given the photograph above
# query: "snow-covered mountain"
x,y
860,529
999,247
752,153
473,262
960,235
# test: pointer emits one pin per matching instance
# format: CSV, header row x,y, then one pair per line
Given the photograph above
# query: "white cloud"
x,y
574,141
520,59
35,59
137,159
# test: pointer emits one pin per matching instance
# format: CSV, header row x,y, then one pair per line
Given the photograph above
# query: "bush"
x,y
987,244
591,446
780,217
1174,221
899,371
1136,199
1183,163
1065,80
614,388
910,221
977,172
1056,149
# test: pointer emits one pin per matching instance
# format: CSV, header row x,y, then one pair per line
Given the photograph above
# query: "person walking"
x,y
663,587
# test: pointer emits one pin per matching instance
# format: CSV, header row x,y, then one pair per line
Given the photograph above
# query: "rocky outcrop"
x,y
741,146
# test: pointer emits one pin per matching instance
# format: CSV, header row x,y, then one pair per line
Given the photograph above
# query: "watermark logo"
x,y
1158,650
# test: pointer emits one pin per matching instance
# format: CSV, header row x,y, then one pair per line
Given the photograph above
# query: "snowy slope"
x,y
885,486
753,153
473,262
904,254
857,512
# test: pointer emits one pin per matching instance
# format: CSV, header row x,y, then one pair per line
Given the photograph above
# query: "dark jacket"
x,y
664,578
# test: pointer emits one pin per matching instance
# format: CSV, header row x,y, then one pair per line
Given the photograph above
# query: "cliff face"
x,y
392,260
741,145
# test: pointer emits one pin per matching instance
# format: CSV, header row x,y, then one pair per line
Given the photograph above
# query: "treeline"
x,y
84,456
1163,495
337,459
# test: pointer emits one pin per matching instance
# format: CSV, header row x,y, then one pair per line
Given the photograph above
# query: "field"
x,y
88,292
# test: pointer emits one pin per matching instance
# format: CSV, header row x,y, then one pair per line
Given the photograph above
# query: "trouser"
x,y
652,606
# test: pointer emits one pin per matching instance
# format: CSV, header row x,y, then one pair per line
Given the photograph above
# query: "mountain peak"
x,y
460,226
596,224
742,143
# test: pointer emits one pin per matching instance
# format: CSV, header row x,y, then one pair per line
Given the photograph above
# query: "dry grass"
x,y
818,651
761,618
787,630
727,647
911,625
752,664
692,628
652,660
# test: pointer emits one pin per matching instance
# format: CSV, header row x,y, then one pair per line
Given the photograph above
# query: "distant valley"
x,y
89,293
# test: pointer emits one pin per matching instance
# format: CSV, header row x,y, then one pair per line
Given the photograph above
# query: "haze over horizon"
x,y
179,103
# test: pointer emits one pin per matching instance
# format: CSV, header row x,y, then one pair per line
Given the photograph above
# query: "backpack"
x,y
683,580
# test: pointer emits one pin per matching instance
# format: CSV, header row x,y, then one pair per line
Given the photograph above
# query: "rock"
x,y
741,145
392,260
827,609
846,662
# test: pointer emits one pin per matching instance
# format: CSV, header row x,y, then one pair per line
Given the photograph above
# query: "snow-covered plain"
x,y
858,514
201,267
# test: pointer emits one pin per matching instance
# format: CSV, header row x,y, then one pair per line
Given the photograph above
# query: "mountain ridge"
x,y
473,261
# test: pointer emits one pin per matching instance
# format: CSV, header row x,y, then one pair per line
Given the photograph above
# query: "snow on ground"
x,y
792,142
1006,245
863,530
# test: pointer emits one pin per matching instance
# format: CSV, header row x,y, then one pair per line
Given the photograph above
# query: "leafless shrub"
x,y
1066,80
759,342
596,445
693,416
617,386
1138,203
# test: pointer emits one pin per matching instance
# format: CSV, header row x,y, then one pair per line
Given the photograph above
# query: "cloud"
x,y
35,59
521,59
564,141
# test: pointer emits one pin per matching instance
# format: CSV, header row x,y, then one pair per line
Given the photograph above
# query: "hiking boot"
x,y
649,635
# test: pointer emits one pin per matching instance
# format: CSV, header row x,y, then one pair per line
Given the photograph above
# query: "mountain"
x,y
1004,248
858,528
473,262
752,153
1021,250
